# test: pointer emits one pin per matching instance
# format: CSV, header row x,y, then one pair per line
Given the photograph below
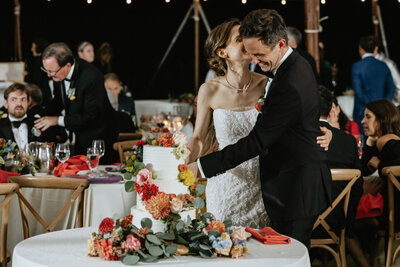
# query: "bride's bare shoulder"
x,y
210,87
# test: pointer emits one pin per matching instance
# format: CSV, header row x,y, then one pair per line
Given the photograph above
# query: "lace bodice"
x,y
236,194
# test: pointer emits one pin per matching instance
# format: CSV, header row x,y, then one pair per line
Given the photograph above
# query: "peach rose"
x,y
131,243
176,205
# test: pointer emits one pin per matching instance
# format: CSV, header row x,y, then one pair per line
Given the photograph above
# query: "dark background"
x,y
141,32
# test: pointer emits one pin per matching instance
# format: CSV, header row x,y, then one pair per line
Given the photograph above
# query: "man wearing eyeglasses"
x,y
79,90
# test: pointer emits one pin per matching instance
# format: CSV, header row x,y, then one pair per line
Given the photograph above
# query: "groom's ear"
x,y
221,53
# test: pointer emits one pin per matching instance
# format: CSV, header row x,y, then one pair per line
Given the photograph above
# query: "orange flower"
x,y
106,225
193,187
171,196
182,167
158,206
216,225
258,107
126,221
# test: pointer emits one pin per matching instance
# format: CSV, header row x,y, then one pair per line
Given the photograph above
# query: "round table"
x,y
69,248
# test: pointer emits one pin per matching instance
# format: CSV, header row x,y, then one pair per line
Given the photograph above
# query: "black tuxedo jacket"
x,y
90,115
343,154
296,181
6,132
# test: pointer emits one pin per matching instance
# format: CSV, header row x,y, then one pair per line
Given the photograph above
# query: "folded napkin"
x,y
72,166
268,236
4,175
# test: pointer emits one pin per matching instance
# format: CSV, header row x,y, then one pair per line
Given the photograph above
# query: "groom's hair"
x,y
326,100
264,24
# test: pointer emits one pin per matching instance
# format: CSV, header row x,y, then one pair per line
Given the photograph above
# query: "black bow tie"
x,y
16,124
270,74
67,80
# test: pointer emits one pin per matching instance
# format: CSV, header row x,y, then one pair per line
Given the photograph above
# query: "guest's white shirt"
x,y
66,85
21,133
285,56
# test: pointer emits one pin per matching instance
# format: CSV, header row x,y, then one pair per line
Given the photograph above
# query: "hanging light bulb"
x,y
283,2
323,2
363,1
89,1
167,1
244,2
129,2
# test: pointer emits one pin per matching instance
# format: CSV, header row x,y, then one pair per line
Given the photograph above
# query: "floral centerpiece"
x,y
11,159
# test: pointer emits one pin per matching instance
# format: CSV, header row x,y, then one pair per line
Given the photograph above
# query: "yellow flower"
x,y
133,157
187,177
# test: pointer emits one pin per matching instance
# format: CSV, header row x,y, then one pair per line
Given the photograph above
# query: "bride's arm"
x,y
204,112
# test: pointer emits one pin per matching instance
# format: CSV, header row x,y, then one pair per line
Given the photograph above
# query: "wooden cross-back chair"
x,y
123,146
392,173
350,175
8,191
129,136
78,185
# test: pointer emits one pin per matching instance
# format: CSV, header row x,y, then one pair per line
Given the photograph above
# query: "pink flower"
x,y
176,205
144,176
132,243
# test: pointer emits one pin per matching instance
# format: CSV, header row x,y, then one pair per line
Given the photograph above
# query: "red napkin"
x,y
370,206
268,236
72,166
4,175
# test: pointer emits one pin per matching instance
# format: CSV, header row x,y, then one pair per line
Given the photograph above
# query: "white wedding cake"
x,y
163,162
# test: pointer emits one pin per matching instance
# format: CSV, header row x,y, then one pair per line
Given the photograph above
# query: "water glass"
x,y
62,153
92,160
45,155
31,152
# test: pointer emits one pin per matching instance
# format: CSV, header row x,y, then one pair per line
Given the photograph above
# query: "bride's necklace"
x,y
239,89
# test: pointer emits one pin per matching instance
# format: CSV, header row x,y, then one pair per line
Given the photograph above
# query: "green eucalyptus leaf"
x,y
181,240
200,188
128,176
141,253
205,253
153,239
130,186
139,165
198,236
168,236
205,247
199,203
146,222
175,216
150,258
214,232
160,235
171,249
130,259
155,251
228,223
180,226
188,220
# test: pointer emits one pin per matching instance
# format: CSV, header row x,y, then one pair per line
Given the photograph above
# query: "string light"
x,y
167,1
89,1
323,2
283,2
363,1
244,2
129,2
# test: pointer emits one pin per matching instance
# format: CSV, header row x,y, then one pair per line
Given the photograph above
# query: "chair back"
x,y
124,146
129,136
8,191
350,175
392,173
78,185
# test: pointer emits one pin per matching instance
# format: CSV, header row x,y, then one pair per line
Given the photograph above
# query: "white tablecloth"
x,y
149,107
100,201
346,104
69,248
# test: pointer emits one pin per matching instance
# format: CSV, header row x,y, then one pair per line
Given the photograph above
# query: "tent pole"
x,y
384,43
312,28
18,51
196,44
375,20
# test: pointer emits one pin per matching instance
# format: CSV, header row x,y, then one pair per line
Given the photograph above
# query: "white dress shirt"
x,y
21,133
66,85
285,56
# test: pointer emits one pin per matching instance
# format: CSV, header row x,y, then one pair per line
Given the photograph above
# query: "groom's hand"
x,y
195,169
325,139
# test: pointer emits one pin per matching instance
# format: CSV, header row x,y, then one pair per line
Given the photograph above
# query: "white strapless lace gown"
x,y
236,194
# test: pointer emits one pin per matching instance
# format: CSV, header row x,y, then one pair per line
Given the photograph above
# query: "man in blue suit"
x,y
371,79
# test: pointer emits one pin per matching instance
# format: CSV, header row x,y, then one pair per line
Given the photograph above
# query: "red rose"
x,y
140,143
106,225
138,188
258,107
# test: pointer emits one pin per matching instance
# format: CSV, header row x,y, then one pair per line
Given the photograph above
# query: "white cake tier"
x,y
162,161
158,226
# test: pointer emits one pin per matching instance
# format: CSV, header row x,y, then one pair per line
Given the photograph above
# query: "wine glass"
x,y
100,147
31,152
92,159
360,145
62,153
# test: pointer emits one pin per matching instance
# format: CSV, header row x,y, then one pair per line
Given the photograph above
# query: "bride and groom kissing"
x,y
271,164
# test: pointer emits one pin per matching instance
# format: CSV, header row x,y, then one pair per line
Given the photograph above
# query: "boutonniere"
x,y
36,132
71,94
3,115
260,103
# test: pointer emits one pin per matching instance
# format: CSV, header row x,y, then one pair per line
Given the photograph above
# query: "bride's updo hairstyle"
x,y
387,115
218,38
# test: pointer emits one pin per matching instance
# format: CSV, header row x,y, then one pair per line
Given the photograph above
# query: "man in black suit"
x,y
79,90
296,181
18,126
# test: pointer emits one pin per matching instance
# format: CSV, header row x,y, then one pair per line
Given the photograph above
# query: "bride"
x,y
228,101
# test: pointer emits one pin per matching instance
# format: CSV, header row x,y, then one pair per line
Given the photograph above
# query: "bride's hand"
x,y
195,169
325,139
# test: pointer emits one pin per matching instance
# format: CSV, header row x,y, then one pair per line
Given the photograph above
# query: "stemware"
x,y
31,152
100,147
360,145
62,153
92,159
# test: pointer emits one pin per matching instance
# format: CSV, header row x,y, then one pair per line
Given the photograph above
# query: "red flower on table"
x,y
138,189
126,221
106,225
216,225
107,251
148,191
165,139
140,143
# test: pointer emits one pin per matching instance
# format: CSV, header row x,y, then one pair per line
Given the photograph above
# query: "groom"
x,y
296,181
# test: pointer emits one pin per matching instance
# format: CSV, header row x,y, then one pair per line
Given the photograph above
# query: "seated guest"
x,y
17,126
339,120
86,51
117,97
342,154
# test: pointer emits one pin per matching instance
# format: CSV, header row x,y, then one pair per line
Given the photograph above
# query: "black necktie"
x,y
16,124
